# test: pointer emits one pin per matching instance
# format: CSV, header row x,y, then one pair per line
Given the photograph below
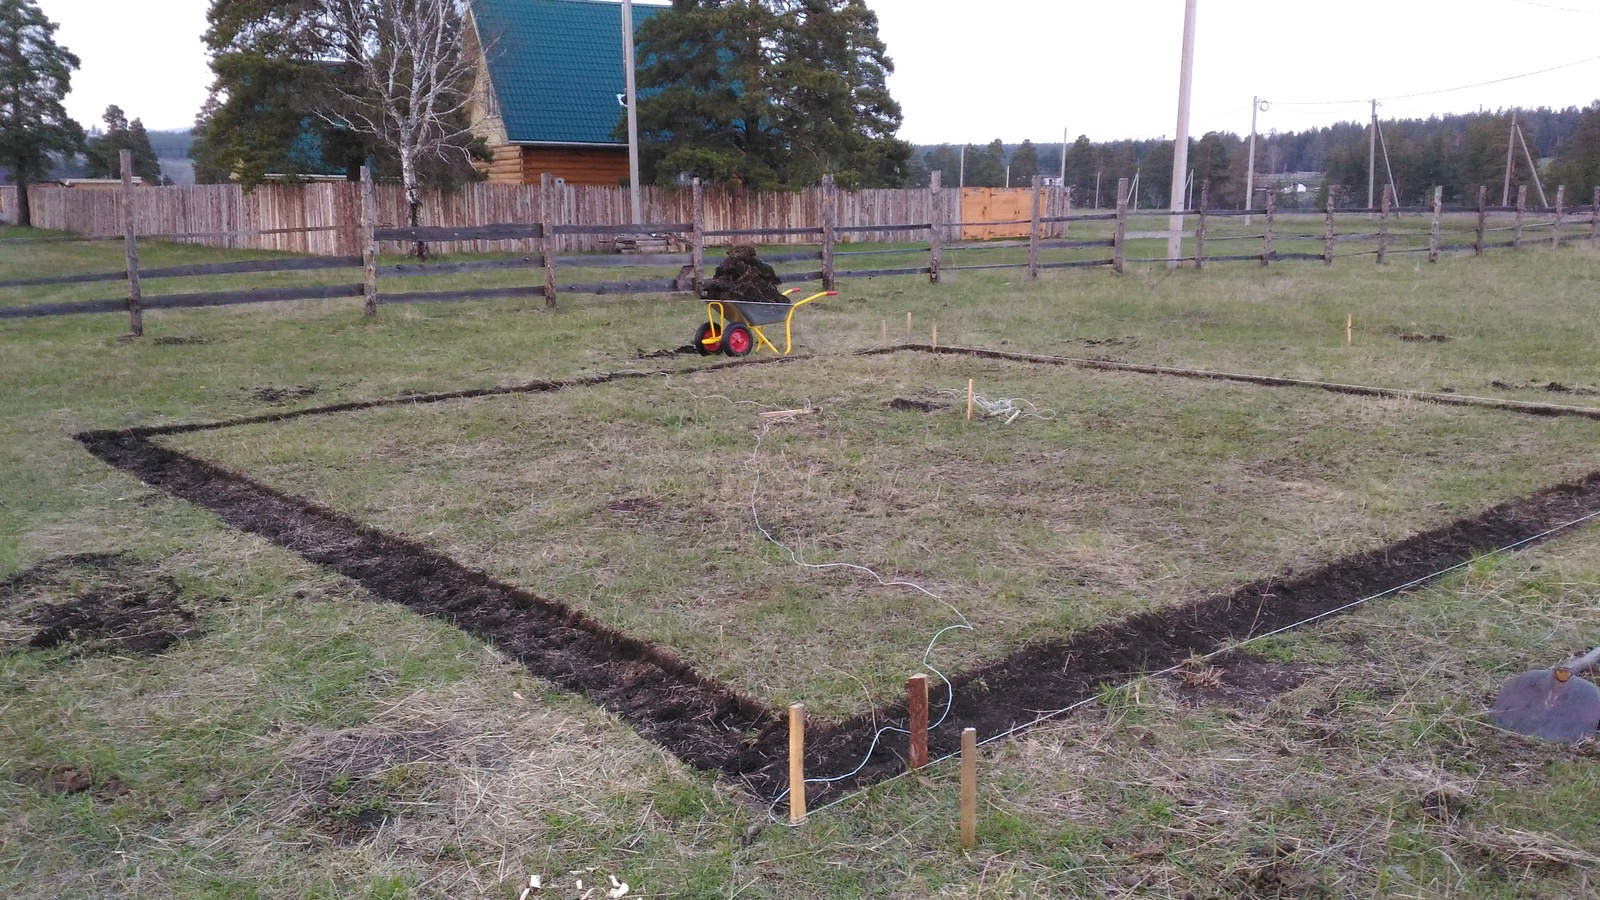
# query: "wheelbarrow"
x,y
735,327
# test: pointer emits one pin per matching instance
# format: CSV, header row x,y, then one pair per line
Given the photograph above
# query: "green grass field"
x,y
304,741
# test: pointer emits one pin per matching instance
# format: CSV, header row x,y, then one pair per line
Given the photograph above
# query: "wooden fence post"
x,y
697,250
797,764
1033,233
1522,206
1119,234
969,788
1433,231
1266,235
828,224
1594,218
130,247
936,217
917,721
548,246
1555,226
1066,213
1327,229
1477,240
369,243
1383,224
1200,228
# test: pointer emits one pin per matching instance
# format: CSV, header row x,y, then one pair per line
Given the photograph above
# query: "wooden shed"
x,y
549,92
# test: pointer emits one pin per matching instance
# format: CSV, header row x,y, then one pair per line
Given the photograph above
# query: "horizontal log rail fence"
x,y
548,234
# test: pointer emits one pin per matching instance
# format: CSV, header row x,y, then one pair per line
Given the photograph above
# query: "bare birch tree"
x,y
406,80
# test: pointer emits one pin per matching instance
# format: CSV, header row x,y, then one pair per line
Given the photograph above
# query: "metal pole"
x,y
633,112
1250,167
1180,145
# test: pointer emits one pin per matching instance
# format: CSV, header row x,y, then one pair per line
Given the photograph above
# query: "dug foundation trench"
x,y
710,725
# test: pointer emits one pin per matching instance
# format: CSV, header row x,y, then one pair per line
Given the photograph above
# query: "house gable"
x,y
554,69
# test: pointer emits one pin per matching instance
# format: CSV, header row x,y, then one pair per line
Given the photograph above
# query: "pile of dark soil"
x,y
743,276
94,603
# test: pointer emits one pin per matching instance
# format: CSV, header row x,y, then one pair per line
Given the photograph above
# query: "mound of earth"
x,y
743,276
94,603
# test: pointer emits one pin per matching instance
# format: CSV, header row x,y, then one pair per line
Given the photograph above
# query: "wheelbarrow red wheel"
x,y
737,340
706,339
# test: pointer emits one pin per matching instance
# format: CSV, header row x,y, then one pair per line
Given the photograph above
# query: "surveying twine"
x,y
794,556
1013,408
1047,716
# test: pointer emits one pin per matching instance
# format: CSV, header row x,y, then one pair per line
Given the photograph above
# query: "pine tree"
x,y
35,74
1024,164
1577,163
768,93
103,153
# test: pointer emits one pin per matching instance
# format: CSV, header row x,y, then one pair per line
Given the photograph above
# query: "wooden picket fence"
x,y
8,204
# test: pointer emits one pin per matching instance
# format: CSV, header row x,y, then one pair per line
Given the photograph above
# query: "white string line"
x,y
1003,406
794,556
1044,717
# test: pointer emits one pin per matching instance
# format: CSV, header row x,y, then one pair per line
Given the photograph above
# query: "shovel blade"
x,y
1537,704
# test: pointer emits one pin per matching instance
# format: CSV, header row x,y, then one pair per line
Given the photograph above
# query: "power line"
x,y
1583,12
1463,87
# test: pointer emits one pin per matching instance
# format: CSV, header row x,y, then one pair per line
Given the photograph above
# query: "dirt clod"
x,y
1238,680
1415,338
905,404
283,394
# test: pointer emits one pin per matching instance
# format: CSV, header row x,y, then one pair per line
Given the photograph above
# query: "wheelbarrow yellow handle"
x,y
787,320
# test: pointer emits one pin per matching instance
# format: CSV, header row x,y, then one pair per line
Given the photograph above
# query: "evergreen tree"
x,y
1024,164
104,153
35,74
1577,163
768,93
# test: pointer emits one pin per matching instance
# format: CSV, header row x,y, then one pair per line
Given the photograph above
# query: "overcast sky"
x,y
976,70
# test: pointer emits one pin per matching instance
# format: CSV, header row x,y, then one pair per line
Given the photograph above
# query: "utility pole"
x,y
1063,159
1372,155
1256,105
1096,188
1511,158
961,171
633,112
1180,143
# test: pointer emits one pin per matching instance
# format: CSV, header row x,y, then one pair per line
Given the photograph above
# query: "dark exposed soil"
x,y
908,405
283,394
350,783
684,350
1235,679
94,603
743,276
179,341
1553,387
709,725
1414,338
68,778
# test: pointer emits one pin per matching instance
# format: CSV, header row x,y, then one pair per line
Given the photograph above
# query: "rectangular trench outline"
x,y
712,727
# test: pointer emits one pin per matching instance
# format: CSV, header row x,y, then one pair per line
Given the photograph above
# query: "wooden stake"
x,y
797,764
917,713
908,326
969,788
969,399
934,343
1348,333
883,332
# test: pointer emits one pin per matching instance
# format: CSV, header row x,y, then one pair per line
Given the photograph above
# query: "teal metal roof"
x,y
556,66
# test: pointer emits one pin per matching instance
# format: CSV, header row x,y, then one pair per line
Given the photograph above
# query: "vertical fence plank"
x,y
1327,229
1266,234
130,247
1119,234
1200,226
827,199
1477,240
1383,224
1555,226
1594,218
936,218
1433,230
550,242
697,249
1033,233
1522,207
369,243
